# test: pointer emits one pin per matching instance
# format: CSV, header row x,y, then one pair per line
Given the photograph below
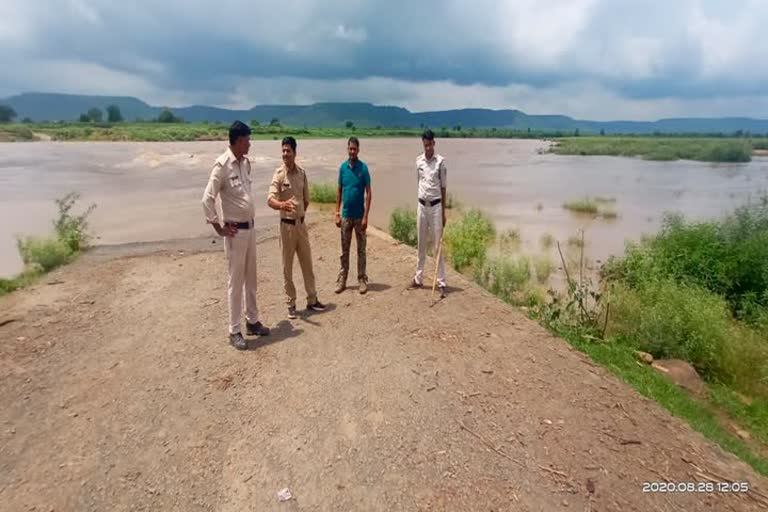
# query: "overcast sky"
x,y
594,59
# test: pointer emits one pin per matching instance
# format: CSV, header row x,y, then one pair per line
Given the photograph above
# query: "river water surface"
x,y
152,191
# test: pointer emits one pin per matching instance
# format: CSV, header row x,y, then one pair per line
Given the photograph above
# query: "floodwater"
x,y
152,191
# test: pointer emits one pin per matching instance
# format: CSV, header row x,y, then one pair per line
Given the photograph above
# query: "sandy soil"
x,y
118,391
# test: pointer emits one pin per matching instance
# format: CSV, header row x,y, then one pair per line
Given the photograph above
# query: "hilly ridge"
x,y
67,107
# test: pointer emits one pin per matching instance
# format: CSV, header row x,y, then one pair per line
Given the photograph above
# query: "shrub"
x,y
72,229
547,241
582,206
43,254
509,239
504,276
466,240
673,321
543,267
322,193
402,226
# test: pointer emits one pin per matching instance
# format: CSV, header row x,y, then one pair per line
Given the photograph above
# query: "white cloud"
x,y
355,35
84,11
586,58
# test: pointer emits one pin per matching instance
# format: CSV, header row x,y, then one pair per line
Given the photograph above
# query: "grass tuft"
x,y
323,193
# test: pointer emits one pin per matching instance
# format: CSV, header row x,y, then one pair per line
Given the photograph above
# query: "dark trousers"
x,y
347,226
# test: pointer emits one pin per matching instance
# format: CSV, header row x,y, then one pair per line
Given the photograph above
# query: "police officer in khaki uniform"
x,y
230,180
289,193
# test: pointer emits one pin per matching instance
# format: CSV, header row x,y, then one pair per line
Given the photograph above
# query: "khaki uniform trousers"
x,y
294,239
241,256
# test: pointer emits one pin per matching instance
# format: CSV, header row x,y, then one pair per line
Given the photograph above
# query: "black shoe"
x,y
414,285
237,341
317,306
256,329
291,312
442,291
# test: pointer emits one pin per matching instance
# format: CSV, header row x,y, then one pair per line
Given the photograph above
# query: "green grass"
x,y
586,205
466,240
659,148
505,276
43,254
752,416
402,226
728,257
509,239
324,193
575,241
15,133
543,268
592,206
547,241
451,202
673,320
621,361
154,131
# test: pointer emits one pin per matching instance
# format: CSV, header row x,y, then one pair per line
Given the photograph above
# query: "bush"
x,y
673,320
582,206
43,254
69,229
466,240
451,202
728,257
544,268
547,241
506,277
322,193
509,239
402,226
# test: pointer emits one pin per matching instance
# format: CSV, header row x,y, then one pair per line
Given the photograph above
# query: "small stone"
x,y
21,338
644,357
565,503
548,422
743,434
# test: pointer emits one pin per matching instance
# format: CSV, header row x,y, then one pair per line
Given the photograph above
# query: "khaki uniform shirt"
x,y
290,185
432,176
230,180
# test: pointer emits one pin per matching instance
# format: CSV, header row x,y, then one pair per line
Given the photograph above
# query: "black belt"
x,y
292,221
240,225
429,203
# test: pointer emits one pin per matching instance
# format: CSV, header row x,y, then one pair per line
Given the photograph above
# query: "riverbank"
x,y
381,402
700,312
707,149
701,149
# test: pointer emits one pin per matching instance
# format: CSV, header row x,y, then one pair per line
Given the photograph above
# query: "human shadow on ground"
x,y
284,330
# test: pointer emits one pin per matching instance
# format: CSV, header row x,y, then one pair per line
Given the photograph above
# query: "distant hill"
x,y
66,107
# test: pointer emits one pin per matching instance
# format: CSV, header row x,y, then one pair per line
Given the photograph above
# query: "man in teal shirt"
x,y
354,192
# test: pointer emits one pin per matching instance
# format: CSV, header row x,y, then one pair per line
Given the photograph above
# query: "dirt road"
x,y
118,391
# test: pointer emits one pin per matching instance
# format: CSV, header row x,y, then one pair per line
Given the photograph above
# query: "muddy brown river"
x,y
152,191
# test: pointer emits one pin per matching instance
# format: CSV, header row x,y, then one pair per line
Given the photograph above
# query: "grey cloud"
x,y
638,50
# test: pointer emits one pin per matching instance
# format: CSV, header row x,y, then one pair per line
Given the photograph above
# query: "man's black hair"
x,y
353,140
428,135
237,130
291,142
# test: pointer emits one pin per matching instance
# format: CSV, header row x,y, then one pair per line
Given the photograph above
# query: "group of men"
x,y
230,181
